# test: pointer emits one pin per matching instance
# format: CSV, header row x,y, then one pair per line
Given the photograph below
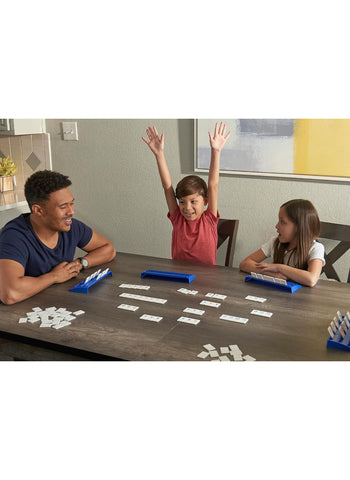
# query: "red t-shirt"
x,y
194,241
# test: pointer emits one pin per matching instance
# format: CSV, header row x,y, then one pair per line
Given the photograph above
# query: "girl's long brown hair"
x,y
304,215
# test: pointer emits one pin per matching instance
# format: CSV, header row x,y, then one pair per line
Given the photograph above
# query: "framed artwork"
x,y
302,148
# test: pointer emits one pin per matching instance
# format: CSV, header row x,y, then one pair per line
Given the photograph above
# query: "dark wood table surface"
x,y
297,329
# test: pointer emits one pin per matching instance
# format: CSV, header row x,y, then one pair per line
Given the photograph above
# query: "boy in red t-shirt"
x,y
194,235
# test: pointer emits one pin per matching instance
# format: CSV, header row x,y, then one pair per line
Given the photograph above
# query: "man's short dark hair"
x,y
40,185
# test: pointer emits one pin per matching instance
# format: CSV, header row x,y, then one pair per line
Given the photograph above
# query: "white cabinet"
x,y
19,126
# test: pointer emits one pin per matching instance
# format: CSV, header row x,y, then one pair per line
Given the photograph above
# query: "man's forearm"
x,y
26,287
102,254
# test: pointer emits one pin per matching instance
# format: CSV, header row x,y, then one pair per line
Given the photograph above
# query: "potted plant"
x,y
7,174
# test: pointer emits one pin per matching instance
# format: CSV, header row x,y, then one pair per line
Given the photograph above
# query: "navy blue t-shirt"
x,y
19,242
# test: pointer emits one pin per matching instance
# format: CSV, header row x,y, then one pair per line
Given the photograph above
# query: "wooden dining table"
x,y
296,330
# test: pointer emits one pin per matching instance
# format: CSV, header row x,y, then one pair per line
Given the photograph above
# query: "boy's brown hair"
x,y
190,185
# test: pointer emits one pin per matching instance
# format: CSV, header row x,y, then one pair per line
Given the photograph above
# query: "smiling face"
x,y
56,213
287,230
192,206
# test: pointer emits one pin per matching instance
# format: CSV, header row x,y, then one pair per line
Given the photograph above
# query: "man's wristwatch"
x,y
84,263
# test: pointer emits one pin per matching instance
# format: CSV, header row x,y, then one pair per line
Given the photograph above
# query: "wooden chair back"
x,y
227,229
341,233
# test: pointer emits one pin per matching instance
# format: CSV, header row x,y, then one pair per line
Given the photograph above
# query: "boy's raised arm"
x,y
217,144
156,145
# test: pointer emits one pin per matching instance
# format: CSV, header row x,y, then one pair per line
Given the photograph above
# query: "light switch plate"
x,y
69,131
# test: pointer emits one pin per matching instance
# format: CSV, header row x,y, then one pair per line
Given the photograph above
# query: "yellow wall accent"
x,y
322,147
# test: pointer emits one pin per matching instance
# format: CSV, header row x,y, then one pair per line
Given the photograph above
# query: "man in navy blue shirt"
x,y
37,249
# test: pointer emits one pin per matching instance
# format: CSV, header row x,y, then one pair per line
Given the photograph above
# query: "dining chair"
x,y
341,233
227,230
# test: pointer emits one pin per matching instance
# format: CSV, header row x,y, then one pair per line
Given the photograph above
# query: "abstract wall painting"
x,y
302,148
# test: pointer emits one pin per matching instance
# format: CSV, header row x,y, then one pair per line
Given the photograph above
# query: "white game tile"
x,y
255,299
194,310
61,325
235,348
151,318
249,358
135,287
33,319
203,354
231,318
193,321
261,313
210,304
216,295
208,346
131,308
143,298
224,350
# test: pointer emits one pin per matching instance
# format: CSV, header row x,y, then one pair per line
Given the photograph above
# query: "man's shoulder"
x,y
79,232
78,225
16,239
76,222
19,224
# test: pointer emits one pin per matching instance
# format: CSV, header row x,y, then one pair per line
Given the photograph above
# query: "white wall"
x,y
118,191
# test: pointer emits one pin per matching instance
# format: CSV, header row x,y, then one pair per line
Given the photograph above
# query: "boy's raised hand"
x,y
155,143
218,141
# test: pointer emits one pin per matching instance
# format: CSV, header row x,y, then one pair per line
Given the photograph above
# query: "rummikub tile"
x,y
255,299
194,310
210,304
193,321
224,349
143,298
151,318
248,358
261,313
213,353
132,308
203,355
230,318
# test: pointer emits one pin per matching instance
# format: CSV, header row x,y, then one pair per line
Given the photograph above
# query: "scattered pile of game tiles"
x,y
51,317
232,350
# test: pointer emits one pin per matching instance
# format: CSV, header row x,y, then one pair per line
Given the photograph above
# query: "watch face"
x,y
84,263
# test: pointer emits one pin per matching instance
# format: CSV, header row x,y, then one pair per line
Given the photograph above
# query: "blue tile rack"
x,y
83,287
289,287
179,277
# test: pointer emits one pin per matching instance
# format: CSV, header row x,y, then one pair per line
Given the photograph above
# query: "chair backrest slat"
x,y
227,229
340,233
